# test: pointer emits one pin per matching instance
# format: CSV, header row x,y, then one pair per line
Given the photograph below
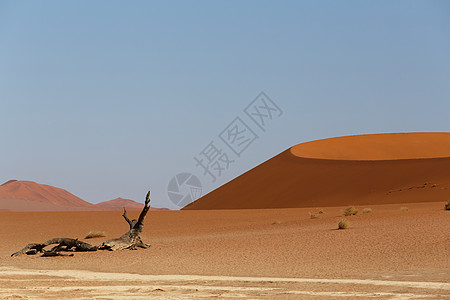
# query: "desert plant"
x,y
95,234
403,208
321,211
343,224
447,205
367,210
351,210
276,222
313,216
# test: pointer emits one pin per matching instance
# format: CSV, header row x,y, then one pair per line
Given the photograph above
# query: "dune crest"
x,y
387,146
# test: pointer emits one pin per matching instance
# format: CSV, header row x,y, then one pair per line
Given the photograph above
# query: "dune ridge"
x,y
391,146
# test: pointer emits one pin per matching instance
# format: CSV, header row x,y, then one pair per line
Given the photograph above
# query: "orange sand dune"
x,y
365,169
120,203
30,196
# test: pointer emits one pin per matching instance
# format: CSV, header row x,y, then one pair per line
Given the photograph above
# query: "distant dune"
x,y
17,195
120,203
351,170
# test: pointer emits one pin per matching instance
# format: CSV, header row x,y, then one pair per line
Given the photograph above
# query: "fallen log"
x,y
64,244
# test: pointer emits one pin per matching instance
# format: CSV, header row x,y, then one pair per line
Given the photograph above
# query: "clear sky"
x,y
111,98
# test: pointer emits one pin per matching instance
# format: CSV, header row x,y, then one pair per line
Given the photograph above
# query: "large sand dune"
x,y
366,169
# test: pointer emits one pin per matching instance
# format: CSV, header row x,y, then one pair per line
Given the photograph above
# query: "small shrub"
x,y
313,216
403,208
350,211
321,211
95,234
447,205
276,222
367,210
343,224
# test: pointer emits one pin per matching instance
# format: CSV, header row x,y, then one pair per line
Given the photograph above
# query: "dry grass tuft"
x,y
343,224
403,208
276,222
313,216
321,211
367,210
447,205
350,211
95,234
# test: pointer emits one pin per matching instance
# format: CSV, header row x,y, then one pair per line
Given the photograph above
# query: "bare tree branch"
x,y
124,215
131,239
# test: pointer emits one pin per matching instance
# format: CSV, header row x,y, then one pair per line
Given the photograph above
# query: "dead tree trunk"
x,y
64,244
131,239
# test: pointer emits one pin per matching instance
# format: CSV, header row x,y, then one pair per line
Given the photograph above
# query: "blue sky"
x,y
111,98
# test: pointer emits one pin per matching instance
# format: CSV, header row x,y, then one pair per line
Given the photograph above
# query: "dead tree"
x,y
129,240
64,244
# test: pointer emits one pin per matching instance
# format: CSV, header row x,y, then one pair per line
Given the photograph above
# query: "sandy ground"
x,y
389,253
59,284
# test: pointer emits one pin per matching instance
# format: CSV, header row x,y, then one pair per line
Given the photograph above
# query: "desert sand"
x,y
272,254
